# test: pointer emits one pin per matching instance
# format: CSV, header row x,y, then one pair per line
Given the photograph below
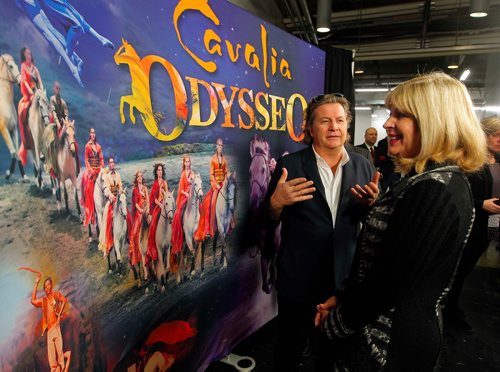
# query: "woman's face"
x,y
139,178
27,55
92,135
403,135
187,163
159,172
494,142
219,145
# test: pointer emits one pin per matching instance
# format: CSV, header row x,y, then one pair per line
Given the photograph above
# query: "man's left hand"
x,y
368,193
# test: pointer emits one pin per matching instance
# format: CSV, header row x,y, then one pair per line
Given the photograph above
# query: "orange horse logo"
x,y
140,98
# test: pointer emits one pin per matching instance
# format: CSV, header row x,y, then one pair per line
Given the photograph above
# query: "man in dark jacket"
x,y
311,193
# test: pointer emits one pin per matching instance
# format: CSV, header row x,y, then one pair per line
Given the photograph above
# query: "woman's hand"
x,y
323,310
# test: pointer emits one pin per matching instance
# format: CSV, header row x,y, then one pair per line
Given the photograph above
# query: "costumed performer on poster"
x,y
59,119
52,305
112,187
48,14
155,203
185,182
30,82
94,162
218,172
140,214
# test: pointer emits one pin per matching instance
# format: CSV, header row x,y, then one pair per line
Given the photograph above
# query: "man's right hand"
x,y
290,192
38,278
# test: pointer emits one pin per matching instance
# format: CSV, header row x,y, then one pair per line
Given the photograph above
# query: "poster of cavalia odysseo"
x,y
138,140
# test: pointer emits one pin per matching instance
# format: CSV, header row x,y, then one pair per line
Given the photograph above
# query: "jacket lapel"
x,y
346,183
310,168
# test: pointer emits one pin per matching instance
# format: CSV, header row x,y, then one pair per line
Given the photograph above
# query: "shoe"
x,y
307,350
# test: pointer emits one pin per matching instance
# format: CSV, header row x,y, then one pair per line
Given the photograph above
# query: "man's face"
x,y
329,127
92,135
371,136
111,164
47,286
57,89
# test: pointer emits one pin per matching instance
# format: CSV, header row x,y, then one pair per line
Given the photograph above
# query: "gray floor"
x,y
478,351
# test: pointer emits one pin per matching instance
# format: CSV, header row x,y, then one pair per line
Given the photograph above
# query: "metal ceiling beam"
x,y
399,10
428,52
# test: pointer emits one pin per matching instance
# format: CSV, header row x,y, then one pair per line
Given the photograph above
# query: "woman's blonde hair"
x,y
449,129
491,125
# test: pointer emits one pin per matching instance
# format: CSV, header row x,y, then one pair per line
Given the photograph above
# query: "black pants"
x,y
296,328
471,254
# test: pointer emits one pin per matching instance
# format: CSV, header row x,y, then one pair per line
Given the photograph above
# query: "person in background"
x,y
386,166
369,144
485,187
386,315
309,193
362,151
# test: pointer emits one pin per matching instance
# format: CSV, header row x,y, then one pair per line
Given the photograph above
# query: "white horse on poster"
x,y
119,229
190,221
225,213
99,199
38,119
161,267
9,74
62,159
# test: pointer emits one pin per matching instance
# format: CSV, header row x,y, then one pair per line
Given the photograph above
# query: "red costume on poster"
x,y
208,224
30,81
182,197
93,162
154,209
139,198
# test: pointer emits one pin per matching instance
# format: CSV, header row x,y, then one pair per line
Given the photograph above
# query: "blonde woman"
x,y
385,316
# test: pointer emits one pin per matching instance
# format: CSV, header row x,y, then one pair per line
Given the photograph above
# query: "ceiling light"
x,y
487,108
362,108
453,62
479,8
359,70
465,75
372,90
323,15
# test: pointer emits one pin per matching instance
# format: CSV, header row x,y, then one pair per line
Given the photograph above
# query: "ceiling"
x,y
395,40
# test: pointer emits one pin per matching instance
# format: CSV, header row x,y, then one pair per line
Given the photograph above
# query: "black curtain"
x,y
338,77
